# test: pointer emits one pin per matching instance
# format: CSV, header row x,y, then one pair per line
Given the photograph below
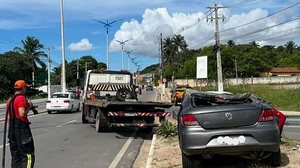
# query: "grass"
x,y
284,98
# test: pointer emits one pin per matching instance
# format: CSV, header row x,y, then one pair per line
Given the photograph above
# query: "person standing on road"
x,y
19,132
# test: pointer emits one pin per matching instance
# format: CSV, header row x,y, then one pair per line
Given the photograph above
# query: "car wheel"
x,y
72,109
275,159
84,121
191,161
49,112
78,109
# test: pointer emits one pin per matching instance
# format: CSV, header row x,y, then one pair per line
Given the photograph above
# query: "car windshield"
x,y
60,95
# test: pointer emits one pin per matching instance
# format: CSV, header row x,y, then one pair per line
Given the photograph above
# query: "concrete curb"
x,y
150,155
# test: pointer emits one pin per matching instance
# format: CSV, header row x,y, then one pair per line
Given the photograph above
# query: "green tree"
x,y
32,50
230,43
290,46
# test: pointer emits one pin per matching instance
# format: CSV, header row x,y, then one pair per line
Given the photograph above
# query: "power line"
x,y
261,18
263,29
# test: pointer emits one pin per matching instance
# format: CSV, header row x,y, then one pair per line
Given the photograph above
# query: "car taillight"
x,y
189,120
48,101
266,115
66,101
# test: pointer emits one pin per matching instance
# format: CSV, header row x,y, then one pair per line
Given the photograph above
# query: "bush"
x,y
167,129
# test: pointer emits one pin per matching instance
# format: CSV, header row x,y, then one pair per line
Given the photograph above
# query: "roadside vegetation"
x,y
280,96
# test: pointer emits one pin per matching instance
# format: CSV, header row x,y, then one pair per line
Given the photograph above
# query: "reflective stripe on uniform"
x,y
29,160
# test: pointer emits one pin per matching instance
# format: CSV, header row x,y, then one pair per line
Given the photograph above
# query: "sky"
x,y
140,22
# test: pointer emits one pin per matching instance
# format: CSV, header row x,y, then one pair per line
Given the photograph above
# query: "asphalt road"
x,y
61,140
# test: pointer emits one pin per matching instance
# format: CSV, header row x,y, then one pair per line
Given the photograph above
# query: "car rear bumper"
x,y
261,137
58,108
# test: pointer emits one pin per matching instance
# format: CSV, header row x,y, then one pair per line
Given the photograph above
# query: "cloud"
x,y
198,33
82,45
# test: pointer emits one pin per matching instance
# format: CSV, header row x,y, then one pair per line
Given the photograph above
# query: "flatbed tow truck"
x,y
110,100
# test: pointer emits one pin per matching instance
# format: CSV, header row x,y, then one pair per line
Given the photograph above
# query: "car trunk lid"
x,y
229,115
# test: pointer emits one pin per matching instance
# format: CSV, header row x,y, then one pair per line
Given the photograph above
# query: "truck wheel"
x,y
97,123
84,121
123,94
191,161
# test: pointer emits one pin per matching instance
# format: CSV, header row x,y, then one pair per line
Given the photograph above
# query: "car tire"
x,y
84,121
191,161
49,112
78,109
275,159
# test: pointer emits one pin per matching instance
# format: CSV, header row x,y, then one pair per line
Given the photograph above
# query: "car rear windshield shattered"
x,y
207,99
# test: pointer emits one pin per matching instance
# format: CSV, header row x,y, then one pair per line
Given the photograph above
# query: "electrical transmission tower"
x,y
216,17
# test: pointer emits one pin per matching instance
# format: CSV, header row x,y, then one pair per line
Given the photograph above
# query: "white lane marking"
x,y
5,145
66,123
150,155
117,159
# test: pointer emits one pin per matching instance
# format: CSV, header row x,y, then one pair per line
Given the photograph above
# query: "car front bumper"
x,y
260,137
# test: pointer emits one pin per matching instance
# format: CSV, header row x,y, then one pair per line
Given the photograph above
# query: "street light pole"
x,y
107,25
49,79
63,64
122,43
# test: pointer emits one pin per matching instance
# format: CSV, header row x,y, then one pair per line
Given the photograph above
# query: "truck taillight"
x,y
48,101
189,120
66,101
266,115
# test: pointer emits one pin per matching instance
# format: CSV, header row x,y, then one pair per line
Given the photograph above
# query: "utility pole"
x,y
160,57
49,79
122,43
217,35
77,79
236,72
63,63
86,64
128,62
107,25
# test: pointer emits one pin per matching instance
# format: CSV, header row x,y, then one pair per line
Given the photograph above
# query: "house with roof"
x,y
283,71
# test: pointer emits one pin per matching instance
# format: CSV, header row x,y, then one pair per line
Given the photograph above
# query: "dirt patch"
x,y
167,154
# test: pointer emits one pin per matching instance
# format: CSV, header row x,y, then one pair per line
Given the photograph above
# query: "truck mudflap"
x,y
141,125
138,114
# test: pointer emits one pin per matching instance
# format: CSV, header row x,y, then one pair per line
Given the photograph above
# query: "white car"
x,y
63,101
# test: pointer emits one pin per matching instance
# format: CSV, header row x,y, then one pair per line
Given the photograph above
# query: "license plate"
x,y
226,140
130,114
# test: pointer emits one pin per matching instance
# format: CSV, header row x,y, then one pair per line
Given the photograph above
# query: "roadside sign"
x,y
201,67
164,80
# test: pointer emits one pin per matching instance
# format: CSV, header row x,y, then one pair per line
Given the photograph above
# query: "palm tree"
x,y
179,43
32,49
169,51
230,43
254,43
290,46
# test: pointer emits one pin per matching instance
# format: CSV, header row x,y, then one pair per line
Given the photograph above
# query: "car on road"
x,y
63,101
149,88
177,94
226,124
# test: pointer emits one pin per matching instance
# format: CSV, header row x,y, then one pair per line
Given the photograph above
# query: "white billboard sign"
x,y
201,67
